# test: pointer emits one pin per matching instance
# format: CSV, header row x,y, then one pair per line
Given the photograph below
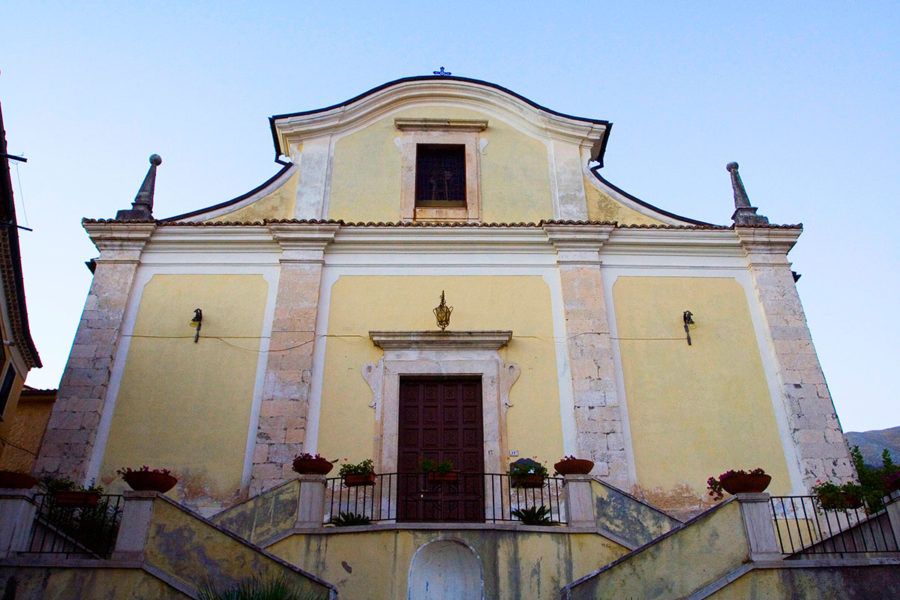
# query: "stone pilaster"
x,y
285,401
72,430
814,426
599,420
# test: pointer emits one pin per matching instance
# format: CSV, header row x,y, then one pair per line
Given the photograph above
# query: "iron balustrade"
x,y
86,529
803,527
441,498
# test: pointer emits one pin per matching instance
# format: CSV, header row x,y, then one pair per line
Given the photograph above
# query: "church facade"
x,y
300,317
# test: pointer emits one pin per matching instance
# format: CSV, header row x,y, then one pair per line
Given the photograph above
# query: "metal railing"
x,y
442,498
85,527
803,526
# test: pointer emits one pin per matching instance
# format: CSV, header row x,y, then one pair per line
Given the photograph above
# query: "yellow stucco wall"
x,y
603,207
515,172
183,405
97,583
279,204
25,430
695,411
517,563
363,303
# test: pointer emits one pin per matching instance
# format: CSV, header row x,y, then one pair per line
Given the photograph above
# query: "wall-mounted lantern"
x,y
442,312
688,318
197,322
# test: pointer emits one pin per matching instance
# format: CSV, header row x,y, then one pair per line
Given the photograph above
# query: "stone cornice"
x,y
440,124
113,239
680,241
768,240
434,340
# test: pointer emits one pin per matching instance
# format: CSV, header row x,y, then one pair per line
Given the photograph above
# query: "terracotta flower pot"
x,y
148,481
312,466
746,484
530,480
358,479
77,498
15,480
574,466
445,476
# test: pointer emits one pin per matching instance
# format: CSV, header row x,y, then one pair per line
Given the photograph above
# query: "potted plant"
x,y
838,497
362,473
738,482
570,465
146,479
438,471
66,492
13,480
527,473
312,464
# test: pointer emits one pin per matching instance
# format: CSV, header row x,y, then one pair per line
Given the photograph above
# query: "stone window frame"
x,y
460,132
473,353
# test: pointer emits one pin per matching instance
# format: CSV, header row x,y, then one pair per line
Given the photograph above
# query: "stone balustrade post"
x,y
311,501
893,511
758,526
17,510
580,501
134,528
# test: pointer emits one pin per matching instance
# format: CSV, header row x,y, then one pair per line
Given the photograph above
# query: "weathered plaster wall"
x,y
515,172
363,303
695,411
51,583
628,518
602,207
874,582
182,405
265,516
526,563
277,205
677,565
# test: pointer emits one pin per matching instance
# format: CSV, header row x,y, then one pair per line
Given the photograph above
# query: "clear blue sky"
x,y
805,97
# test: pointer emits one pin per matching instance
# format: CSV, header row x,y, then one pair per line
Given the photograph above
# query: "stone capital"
x,y
768,245
118,242
303,242
578,244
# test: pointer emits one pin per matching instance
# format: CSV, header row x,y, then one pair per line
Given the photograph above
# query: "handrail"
x,y
804,526
82,526
436,497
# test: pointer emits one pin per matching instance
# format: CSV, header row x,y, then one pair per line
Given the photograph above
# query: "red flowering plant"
x,y
714,484
308,456
144,469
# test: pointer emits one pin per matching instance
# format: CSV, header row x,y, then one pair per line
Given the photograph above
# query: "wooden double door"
x,y
441,419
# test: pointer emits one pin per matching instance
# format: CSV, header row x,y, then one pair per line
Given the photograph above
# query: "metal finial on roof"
x,y
442,72
744,214
142,207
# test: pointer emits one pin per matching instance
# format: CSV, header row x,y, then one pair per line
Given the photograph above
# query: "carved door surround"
x,y
455,353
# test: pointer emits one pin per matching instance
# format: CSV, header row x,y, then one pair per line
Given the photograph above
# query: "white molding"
x,y
293,129
441,124
440,340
